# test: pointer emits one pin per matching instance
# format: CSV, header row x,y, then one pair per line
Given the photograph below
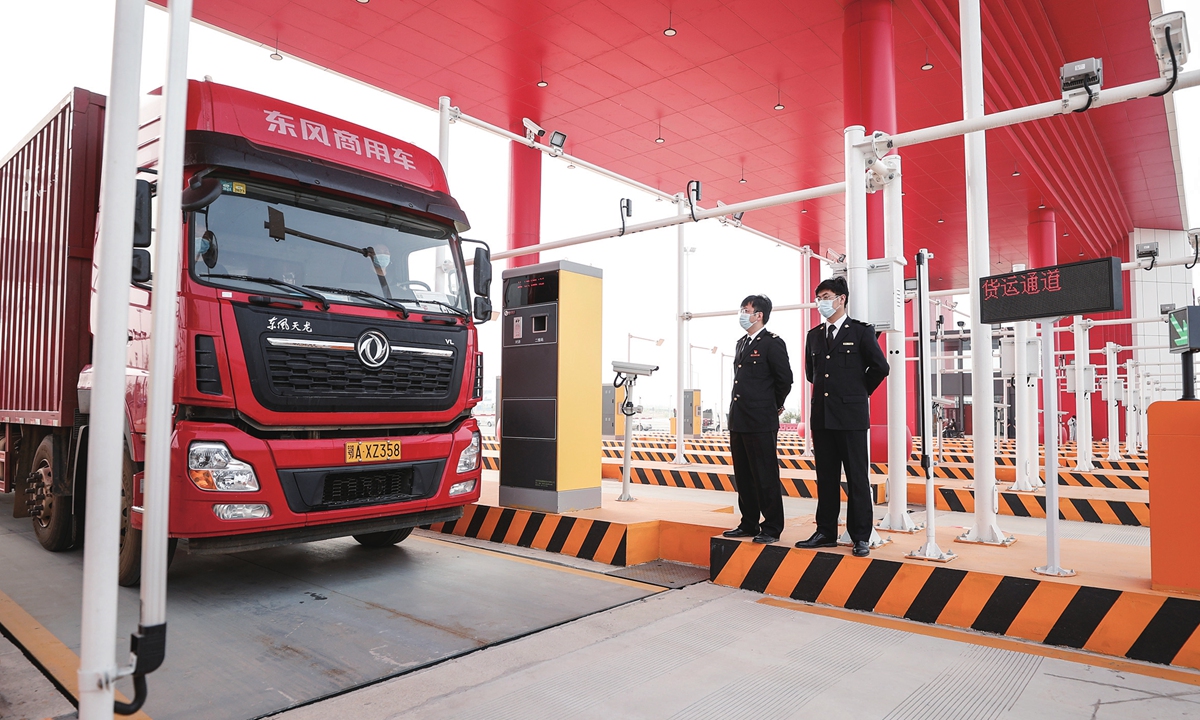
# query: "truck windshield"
x,y
258,238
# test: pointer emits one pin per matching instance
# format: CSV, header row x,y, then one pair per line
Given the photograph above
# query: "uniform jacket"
x,y
843,373
762,379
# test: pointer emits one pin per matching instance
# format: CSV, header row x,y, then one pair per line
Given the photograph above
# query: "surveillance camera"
x,y
628,368
1193,237
532,128
1176,24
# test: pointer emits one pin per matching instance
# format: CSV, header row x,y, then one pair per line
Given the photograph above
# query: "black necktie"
x,y
742,346
830,334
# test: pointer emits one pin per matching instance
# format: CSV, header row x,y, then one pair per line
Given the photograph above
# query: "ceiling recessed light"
x,y
670,31
928,65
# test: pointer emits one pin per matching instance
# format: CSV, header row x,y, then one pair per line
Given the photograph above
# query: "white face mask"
x,y
825,307
381,261
745,321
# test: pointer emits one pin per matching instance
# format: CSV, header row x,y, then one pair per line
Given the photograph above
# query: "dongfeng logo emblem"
x,y
373,349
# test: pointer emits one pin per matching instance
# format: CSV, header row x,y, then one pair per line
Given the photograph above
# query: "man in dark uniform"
x,y
844,363
762,379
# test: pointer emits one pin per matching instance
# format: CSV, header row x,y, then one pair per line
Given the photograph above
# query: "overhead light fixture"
x,y
1041,204
558,139
570,166
1016,171
275,55
743,180
363,2
541,75
803,211
1080,253
670,31
778,98
928,65
659,139
1066,234
940,221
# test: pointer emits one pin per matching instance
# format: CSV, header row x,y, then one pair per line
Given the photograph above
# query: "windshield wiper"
x,y
453,310
363,293
277,283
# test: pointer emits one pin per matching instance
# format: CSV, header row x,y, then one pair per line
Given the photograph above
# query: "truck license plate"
x,y
375,451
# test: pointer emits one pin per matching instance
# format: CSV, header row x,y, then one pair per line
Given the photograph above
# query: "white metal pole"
x,y
1130,408
625,495
165,300
1050,402
856,222
806,294
897,519
106,442
1026,460
985,529
1144,411
681,335
1033,470
930,550
1114,384
439,276
701,214
1083,398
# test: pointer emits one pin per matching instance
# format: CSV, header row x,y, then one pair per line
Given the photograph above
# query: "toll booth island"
x,y
551,404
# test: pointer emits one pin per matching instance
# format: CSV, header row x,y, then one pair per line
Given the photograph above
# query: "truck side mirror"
x,y
483,284
141,266
199,195
141,216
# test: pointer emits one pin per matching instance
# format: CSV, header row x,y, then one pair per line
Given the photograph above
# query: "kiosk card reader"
x,y
550,360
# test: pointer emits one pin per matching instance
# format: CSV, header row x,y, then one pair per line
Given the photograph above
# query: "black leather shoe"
x,y
862,548
737,532
817,540
765,539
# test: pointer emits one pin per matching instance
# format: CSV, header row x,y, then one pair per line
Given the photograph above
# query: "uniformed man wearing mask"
x,y
762,379
844,363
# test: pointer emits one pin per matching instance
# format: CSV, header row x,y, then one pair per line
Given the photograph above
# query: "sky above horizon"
x,y
71,43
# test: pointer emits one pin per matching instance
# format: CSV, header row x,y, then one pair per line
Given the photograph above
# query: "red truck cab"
x,y
326,357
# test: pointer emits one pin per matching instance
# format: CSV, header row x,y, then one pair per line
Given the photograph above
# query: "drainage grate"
x,y
664,573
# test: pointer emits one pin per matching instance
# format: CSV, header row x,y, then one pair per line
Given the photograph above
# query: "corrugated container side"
x,y
49,191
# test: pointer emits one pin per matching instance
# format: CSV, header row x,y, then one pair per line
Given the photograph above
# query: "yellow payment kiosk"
x,y
550,441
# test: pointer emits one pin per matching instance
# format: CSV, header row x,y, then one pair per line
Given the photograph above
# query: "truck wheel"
x,y
383,539
51,515
129,564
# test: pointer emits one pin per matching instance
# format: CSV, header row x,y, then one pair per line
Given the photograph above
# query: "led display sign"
x,y
1078,288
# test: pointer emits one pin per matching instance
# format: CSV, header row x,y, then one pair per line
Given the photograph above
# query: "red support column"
x,y
524,202
869,99
1042,237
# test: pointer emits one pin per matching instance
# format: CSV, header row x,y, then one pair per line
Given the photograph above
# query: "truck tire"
x,y
52,522
129,559
383,539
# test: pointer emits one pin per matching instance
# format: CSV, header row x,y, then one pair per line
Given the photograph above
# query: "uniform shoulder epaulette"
x,y
856,321
772,334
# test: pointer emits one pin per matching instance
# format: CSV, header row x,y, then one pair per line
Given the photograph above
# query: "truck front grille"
x,y
316,372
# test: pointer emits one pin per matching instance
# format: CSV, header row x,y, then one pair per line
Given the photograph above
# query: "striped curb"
x,y
792,487
1133,625
1093,510
563,534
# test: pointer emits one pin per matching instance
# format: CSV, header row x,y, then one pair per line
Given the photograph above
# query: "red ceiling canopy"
x,y
614,82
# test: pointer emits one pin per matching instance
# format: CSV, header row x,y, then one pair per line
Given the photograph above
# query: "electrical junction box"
x,y
1008,359
550,361
608,410
885,294
1089,377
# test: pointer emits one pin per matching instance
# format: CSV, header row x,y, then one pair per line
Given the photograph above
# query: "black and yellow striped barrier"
x,y
563,534
1135,625
1093,510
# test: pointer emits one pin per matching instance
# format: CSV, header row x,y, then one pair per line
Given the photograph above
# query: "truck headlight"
x,y
468,459
242,511
212,467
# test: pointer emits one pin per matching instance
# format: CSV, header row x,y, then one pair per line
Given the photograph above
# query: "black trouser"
x,y
756,472
834,450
